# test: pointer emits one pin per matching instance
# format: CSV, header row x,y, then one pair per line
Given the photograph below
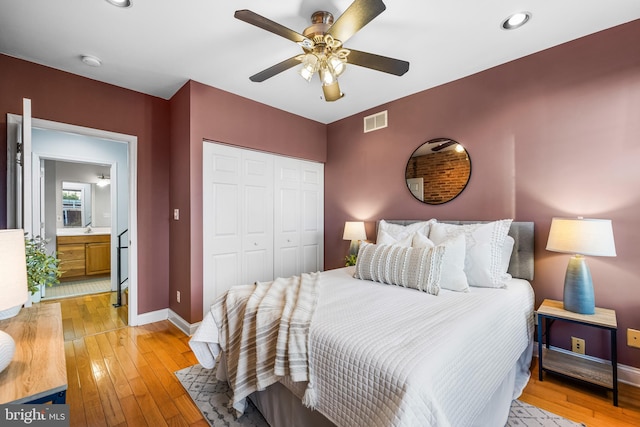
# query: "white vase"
x,y
7,350
36,297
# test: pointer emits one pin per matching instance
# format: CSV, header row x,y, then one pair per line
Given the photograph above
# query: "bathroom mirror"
x,y
438,171
85,204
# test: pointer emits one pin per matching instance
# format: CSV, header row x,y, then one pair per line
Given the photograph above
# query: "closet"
x,y
263,217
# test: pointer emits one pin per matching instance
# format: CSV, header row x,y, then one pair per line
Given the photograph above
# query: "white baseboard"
x,y
186,327
626,374
153,316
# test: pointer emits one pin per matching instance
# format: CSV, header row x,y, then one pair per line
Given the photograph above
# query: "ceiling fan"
x,y
323,46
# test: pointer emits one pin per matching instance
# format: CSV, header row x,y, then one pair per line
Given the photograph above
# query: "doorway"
x,y
76,205
76,144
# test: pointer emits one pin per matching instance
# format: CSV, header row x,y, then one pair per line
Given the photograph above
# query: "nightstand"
x,y
601,374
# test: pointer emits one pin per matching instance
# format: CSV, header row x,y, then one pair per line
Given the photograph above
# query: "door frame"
x,y
15,121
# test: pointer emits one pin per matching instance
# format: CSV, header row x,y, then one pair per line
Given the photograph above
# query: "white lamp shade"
x,y
582,236
354,230
13,271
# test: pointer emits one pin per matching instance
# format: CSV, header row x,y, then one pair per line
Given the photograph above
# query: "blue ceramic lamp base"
x,y
578,287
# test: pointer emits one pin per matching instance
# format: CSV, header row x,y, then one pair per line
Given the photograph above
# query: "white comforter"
x,y
390,356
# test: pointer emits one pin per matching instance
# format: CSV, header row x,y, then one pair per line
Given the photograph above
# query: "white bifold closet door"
x,y
299,216
263,217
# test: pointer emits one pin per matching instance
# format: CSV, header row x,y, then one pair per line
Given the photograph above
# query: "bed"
x,y
387,355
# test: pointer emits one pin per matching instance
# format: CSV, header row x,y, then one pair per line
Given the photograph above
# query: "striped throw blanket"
x,y
264,332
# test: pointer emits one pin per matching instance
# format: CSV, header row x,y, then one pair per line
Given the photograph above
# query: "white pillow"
x,y
484,245
416,268
401,232
385,238
507,250
420,240
453,276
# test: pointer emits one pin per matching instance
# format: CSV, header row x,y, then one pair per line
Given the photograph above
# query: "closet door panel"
x,y
257,214
312,216
288,263
287,255
222,242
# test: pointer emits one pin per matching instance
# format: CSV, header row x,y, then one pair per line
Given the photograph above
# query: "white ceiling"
x,y
155,46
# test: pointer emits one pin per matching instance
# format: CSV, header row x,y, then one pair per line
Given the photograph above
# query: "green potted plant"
x,y
42,267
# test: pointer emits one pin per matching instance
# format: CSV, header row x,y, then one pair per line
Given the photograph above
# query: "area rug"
x,y
212,397
77,288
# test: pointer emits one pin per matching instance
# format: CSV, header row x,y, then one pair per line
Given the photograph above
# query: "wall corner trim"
x,y
152,316
186,327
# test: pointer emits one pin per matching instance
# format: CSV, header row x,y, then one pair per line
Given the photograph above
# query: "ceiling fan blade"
x,y
357,15
275,69
271,26
377,62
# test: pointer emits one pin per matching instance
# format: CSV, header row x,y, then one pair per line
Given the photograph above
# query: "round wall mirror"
x,y
438,171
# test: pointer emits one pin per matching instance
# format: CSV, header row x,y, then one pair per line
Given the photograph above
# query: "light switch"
x,y
176,214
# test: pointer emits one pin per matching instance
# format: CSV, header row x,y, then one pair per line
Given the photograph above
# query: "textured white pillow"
x,y
417,268
484,242
399,232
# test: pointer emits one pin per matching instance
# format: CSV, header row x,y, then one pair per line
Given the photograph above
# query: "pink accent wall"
x,y
219,116
552,134
67,98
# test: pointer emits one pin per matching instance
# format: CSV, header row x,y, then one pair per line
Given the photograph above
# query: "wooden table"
x,y
38,371
601,374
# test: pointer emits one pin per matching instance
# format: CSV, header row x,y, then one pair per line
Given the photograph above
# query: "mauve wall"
x,y
64,97
553,134
216,115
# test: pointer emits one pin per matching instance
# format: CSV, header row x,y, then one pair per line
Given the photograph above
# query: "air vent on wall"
x,y
375,121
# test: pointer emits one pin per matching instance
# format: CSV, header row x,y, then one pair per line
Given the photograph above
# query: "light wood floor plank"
x,y
133,369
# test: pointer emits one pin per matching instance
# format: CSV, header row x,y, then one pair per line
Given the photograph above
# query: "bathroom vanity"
x,y
84,255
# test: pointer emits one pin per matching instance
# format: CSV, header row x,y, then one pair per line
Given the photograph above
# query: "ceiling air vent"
x,y
375,121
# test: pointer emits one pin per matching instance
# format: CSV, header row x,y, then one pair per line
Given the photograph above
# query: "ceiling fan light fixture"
x,y
309,66
336,64
327,76
332,92
516,20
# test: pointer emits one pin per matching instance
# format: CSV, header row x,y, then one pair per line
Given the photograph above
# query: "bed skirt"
x,y
281,408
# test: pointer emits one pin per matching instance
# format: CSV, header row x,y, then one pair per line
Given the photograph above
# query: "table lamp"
x,y
354,231
13,286
580,236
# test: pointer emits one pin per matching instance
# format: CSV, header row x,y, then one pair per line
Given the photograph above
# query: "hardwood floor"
x,y
124,376
583,403
120,375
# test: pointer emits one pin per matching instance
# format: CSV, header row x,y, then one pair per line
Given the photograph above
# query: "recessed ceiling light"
x,y
121,3
516,20
90,60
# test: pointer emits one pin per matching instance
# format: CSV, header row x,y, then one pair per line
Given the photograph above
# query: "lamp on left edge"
x,y
13,273
354,231
13,286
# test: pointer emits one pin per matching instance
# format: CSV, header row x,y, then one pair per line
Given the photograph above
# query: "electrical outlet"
x,y
178,296
176,214
577,345
633,338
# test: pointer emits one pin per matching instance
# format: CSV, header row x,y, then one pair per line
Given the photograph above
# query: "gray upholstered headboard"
x,y
521,264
